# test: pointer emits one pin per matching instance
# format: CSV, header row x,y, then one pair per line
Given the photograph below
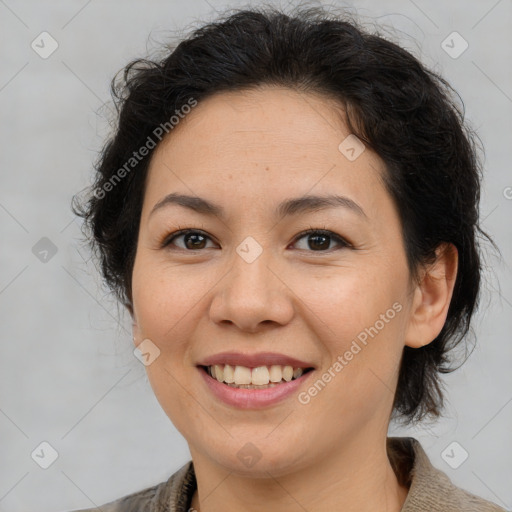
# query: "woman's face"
x,y
247,281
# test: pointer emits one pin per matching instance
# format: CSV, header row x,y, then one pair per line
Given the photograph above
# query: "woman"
x,y
289,211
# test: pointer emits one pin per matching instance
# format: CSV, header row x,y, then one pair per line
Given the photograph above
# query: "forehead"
x,y
269,143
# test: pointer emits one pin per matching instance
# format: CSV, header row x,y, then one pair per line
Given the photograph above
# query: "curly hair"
x,y
407,114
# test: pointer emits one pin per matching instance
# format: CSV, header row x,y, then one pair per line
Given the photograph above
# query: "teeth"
x,y
242,375
261,376
219,373
297,372
229,374
287,373
276,375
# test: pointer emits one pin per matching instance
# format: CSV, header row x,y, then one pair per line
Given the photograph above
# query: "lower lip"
x,y
252,398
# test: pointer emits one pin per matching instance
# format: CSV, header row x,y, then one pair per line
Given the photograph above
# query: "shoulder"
x,y
169,496
430,488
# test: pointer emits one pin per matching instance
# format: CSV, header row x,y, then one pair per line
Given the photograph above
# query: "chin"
x,y
256,459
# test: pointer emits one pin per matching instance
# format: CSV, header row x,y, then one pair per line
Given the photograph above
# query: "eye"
x,y
319,240
193,239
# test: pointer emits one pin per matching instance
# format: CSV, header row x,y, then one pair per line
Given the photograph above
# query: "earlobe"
x,y
432,298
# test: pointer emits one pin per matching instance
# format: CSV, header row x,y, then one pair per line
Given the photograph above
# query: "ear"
x,y
432,297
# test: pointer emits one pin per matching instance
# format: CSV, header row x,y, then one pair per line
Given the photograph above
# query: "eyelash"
x,y
180,232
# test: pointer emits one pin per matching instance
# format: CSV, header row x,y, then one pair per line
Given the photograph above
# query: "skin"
x,y
247,152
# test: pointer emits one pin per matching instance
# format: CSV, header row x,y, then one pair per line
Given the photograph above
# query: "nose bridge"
x,y
251,293
250,275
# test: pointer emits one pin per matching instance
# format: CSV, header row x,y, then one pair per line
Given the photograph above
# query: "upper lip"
x,y
254,360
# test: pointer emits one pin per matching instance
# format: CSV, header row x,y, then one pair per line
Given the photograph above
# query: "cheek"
x,y
346,301
164,303
358,317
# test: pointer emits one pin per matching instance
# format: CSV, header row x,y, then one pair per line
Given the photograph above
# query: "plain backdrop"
x,y
68,376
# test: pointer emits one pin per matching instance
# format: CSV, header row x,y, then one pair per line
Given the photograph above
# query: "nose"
x,y
252,295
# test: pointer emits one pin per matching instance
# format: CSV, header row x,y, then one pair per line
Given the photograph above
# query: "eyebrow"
x,y
305,204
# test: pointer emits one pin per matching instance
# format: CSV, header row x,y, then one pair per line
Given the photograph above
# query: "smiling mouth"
x,y
259,377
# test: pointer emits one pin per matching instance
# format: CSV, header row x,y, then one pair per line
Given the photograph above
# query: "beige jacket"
x,y
430,490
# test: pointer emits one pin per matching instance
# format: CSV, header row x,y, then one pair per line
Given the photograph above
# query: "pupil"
x,y
316,237
196,244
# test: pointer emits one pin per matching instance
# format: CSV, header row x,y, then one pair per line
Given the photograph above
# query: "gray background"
x,y
67,372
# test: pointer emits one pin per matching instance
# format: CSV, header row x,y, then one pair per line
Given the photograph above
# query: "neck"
x,y
354,478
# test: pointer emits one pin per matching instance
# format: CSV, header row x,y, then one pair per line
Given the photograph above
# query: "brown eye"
x,y
192,239
319,240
